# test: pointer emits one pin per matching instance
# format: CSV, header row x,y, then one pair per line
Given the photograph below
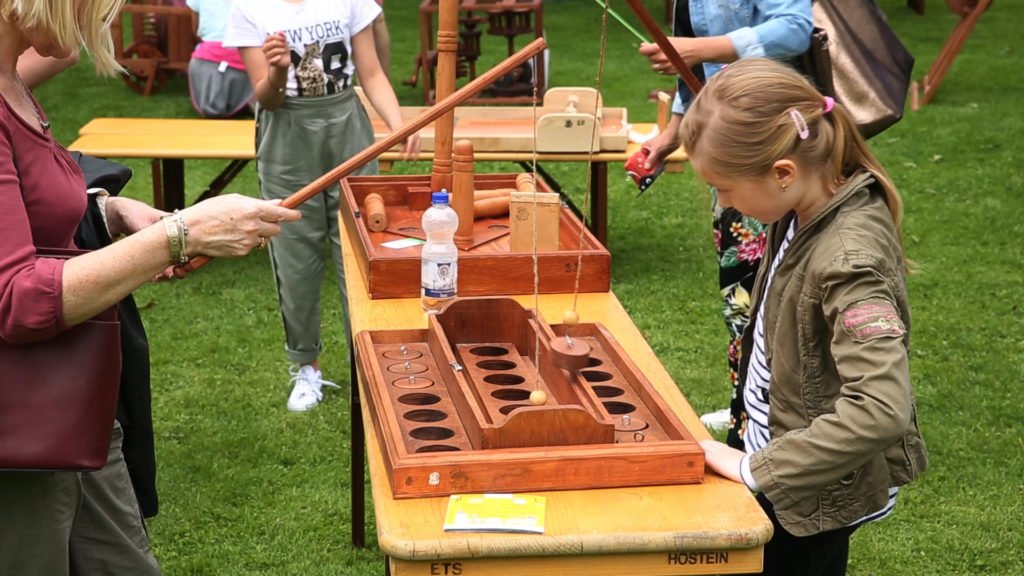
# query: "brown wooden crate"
x,y
489,268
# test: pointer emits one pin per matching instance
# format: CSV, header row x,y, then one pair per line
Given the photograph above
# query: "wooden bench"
x,y
168,142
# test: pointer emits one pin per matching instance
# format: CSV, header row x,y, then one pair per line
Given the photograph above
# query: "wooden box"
x,y
450,408
533,216
488,268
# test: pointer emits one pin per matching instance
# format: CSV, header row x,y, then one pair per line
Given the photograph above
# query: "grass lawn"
x,y
248,488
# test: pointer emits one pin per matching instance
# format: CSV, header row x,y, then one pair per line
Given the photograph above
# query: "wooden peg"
x,y
462,191
525,182
444,127
493,193
491,207
375,212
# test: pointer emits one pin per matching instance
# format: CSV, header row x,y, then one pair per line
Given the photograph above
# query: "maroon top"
x,y
42,200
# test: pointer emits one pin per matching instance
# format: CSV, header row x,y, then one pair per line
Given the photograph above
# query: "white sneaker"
x,y
717,420
306,388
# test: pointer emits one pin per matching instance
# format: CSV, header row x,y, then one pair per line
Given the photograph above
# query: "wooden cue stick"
x,y
666,47
414,125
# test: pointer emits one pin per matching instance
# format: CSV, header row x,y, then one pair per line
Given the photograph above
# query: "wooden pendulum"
x,y
567,352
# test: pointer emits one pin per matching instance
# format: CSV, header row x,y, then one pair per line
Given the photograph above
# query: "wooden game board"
x,y
449,406
488,268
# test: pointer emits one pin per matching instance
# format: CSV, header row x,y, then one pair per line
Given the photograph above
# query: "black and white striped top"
x,y
756,391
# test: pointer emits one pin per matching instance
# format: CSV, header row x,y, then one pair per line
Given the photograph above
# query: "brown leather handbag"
x,y
58,397
870,67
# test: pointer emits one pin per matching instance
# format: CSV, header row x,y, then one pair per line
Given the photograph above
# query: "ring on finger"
x,y
263,243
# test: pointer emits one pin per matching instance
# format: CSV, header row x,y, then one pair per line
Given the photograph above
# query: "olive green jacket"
x,y
842,416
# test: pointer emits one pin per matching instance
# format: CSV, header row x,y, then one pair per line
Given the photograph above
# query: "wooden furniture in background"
x,y
505,18
156,45
970,12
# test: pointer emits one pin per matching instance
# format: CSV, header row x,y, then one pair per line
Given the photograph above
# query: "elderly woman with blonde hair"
x,y
54,523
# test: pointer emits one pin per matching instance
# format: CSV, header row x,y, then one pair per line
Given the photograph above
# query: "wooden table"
x,y
171,141
711,528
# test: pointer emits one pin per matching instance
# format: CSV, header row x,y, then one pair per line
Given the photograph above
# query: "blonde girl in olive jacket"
x,y
832,430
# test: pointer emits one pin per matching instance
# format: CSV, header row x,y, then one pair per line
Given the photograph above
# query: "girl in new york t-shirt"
x,y
301,56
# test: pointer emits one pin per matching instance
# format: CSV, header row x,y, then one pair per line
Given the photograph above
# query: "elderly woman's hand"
x,y
128,216
232,225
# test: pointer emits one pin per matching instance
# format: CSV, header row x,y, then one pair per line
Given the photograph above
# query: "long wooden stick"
x,y
666,47
426,117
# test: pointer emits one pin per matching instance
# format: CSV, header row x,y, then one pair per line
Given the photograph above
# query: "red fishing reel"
x,y
642,177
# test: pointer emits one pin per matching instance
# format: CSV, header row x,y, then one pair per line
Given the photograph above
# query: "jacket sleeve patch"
x,y
871,319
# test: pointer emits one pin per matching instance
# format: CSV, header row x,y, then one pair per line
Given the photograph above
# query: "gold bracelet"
x,y
177,234
173,239
183,230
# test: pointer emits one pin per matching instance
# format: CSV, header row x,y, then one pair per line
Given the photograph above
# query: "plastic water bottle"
x,y
439,275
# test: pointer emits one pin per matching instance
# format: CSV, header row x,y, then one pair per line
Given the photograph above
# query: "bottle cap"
x,y
439,197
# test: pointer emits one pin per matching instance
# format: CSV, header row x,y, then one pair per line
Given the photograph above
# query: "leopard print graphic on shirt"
x,y
308,75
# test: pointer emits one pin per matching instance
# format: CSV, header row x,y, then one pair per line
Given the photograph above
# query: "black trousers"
x,y
822,554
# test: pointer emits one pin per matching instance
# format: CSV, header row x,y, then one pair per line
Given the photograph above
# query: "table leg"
x,y
158,184
172,182
599,201
223,179
357,453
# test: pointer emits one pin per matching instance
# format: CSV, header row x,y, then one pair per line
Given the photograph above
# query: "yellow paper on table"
x,y
495,513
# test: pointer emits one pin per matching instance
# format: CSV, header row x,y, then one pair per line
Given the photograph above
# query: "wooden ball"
x,y
538,397
570,317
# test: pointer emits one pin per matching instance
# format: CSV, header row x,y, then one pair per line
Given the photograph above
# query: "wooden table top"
x,y
672,525
194,138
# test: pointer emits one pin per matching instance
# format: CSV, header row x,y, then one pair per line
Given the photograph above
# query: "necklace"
x,y
44,124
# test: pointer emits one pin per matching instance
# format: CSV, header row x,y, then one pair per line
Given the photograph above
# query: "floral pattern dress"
x,y
740,243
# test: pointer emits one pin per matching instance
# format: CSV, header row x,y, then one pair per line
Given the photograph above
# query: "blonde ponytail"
x,y
744,121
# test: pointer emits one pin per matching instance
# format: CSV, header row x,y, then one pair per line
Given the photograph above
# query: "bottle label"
x,y
439,279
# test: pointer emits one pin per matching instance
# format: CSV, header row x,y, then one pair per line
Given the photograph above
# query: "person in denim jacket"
x,y
709,34
832,432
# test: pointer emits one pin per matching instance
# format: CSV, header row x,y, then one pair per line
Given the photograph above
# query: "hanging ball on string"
x,y
570,318
538,397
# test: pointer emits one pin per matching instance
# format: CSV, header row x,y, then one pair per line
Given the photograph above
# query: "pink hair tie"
x,y
829,104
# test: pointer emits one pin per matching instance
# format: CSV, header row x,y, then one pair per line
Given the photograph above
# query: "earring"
x,y
784,187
